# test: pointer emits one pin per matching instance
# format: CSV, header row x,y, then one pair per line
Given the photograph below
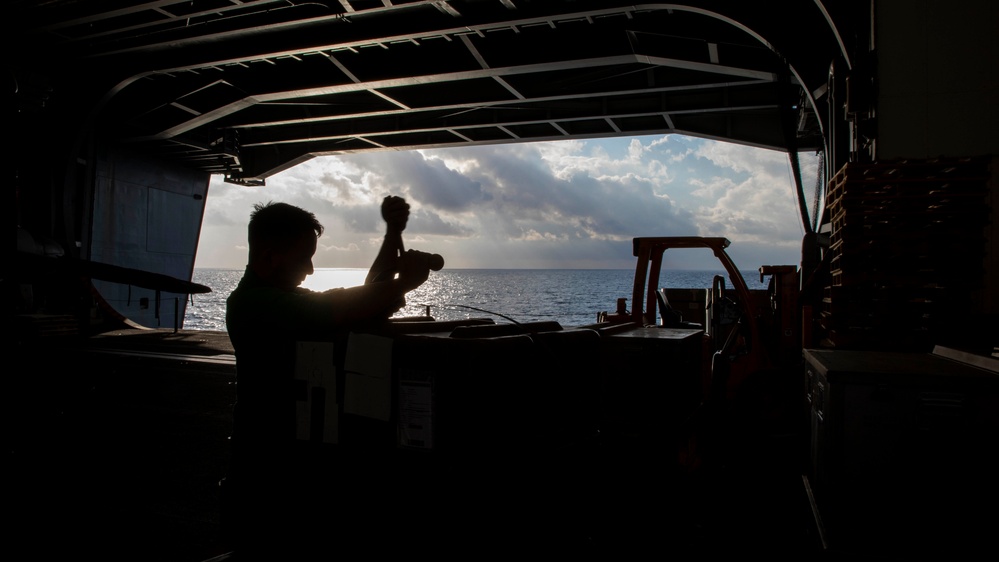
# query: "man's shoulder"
x,y
253,306
250,285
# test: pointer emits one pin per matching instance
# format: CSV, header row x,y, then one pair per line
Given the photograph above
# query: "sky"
x,y
572,204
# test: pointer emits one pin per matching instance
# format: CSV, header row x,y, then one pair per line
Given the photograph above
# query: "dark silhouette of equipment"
x,y
436,262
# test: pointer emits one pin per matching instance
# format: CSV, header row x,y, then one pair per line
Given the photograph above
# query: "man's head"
x,y
282,241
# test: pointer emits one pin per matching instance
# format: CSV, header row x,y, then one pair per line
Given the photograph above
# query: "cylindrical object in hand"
x,y
436,262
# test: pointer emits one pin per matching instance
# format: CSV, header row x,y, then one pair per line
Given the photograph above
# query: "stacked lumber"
x,y
907,250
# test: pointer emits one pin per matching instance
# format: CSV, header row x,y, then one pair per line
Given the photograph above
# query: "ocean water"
x,y
572,297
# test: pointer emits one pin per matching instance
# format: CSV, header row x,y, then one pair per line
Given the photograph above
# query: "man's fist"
x,y
395,211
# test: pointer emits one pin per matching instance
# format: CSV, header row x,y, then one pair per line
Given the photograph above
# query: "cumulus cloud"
x,y
560,204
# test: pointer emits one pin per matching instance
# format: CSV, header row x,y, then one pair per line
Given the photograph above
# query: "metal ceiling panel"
x,y
250,88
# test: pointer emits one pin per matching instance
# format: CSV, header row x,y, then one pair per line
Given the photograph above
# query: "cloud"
x,y
425,221
555,188
559,204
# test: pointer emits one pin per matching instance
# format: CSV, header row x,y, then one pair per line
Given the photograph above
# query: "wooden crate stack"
x,y
907,249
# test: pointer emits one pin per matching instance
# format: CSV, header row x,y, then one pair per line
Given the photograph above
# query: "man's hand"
x,y
395,211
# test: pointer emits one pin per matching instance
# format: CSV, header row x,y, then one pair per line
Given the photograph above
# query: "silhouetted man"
x,y
266,315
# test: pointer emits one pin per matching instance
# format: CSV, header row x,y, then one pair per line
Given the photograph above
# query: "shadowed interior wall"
x,y
147,216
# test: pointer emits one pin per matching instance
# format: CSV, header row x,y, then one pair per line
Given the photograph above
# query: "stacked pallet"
x,y
907,250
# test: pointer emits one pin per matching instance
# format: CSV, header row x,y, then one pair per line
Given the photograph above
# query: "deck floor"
x,y
110,459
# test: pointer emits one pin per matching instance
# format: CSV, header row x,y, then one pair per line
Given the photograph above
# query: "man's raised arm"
x,y
395,211
378,300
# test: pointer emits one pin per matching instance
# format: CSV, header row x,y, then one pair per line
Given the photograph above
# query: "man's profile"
x,y
266,315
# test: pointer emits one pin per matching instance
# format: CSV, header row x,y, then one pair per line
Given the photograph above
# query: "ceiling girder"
x,y
285,80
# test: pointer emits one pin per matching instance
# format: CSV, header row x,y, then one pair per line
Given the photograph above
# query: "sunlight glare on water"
x,y
571,297
332,278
